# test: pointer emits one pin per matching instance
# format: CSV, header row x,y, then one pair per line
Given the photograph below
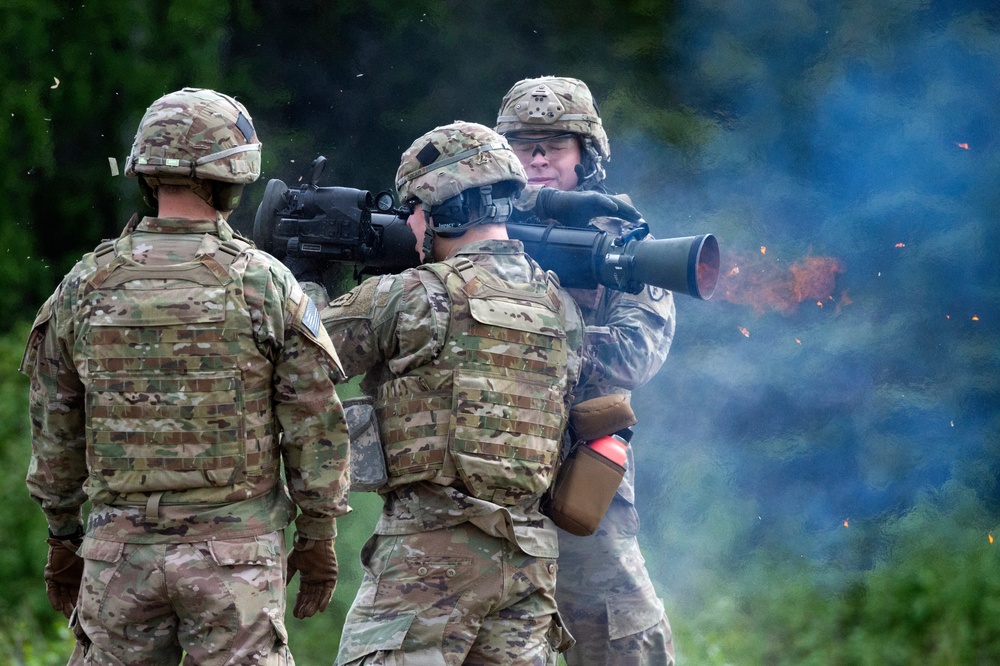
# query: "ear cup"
x,y
147,191
226,196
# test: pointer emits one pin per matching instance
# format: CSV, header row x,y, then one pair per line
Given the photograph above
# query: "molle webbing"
x,y
493,417
178,395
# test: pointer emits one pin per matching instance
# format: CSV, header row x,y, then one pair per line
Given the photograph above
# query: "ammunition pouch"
x,y
587,481
583,490
368,472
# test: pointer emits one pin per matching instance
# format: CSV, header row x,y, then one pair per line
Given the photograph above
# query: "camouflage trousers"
x,y
221,602
452,596
607,599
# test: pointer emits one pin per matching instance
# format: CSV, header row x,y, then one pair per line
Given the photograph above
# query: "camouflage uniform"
x,y
605,593
471,393
172,372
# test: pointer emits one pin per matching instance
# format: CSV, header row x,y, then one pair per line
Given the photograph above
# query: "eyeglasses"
x,y
524,147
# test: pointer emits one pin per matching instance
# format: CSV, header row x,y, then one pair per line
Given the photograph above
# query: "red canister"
x,y
611,447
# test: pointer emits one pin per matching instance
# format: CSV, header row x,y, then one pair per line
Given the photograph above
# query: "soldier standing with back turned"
x,y
604,592
173,373
471,359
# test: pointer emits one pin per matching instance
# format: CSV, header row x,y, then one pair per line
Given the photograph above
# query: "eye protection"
x,y
524,147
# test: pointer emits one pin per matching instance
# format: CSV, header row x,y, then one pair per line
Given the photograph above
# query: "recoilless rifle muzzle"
x,y
345,225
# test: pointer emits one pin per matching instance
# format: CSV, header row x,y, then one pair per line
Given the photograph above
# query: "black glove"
x,y
63,573
304,269
577,209
317,561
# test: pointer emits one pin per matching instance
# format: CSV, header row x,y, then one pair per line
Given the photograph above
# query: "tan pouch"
x,y
583,490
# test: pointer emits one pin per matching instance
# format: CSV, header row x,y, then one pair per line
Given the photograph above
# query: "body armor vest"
x,y
178,397
489,411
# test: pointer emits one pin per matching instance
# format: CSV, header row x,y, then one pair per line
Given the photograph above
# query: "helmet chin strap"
x,y
594,180
428,246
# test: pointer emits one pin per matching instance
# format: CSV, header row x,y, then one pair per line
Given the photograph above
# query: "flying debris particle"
x,y
900,244
819,303
735,271
744,331
113,163
846,522
947,316
975,317
763,249
797,341
359,76
991,537
56,85
952,424
965,146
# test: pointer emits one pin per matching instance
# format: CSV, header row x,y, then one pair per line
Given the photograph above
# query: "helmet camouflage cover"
x,y
452,158
196,133
553,103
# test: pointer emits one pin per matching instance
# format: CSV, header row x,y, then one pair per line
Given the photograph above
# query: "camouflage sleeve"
x,y
393,320
628,343
315,446
58,466
574,340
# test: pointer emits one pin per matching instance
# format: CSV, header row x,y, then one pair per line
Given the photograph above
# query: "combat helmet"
x,y
462,174
199,138
558,104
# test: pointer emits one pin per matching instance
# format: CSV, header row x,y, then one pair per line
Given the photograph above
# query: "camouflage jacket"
x,y
627,336
390,325
285,339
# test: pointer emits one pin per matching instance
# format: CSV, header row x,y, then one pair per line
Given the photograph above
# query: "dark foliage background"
x,y
818,460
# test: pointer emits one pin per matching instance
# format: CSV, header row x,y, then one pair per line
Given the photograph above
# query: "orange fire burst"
x,y
765,284
991,537
900,244
763,249
745,332
975,317
846,524
963,146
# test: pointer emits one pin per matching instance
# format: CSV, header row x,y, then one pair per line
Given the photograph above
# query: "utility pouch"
x,y
368,472
590,475
584,488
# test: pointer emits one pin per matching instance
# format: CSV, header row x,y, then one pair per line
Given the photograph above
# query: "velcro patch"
x,y
244,126
428,154
344,299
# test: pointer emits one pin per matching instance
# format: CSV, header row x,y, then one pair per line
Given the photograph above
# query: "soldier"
x,y
173,372
471,360
605,594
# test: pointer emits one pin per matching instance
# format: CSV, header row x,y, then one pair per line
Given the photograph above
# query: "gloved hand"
x,y
576,209
63,573
304,269
317,561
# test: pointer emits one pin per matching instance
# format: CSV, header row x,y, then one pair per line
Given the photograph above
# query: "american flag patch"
x,y
310,319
